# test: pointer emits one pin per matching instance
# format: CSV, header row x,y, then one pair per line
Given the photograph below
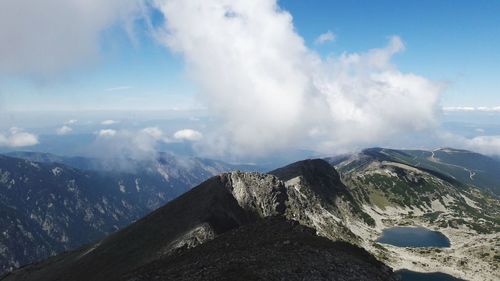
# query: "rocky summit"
x,y
308,220
228,210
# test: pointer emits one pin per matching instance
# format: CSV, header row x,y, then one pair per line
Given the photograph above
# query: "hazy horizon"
x,y
242,81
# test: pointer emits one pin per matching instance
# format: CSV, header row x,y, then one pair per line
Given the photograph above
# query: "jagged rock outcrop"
x,y
309,192
446,190
374,190
47,207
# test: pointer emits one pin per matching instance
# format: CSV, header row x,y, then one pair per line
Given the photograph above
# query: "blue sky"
x,y
456,41
247,78
453,41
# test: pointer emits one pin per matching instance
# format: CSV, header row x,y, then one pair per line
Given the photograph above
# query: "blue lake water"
x,y
407,275
413,237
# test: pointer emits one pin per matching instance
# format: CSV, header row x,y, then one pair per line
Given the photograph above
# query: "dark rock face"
x,y
48,208
270,249
199,215
230,207
322,178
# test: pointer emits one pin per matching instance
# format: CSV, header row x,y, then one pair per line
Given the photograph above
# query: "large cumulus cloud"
x,y
270,91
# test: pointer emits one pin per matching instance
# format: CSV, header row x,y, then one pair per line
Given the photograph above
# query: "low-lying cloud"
x,y
17,137
64,130
269,91
106,133
109,122
188,135
471,109
137,144
484,144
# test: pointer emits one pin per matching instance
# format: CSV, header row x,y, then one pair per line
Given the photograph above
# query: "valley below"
x,y
308,205
471,256
467,217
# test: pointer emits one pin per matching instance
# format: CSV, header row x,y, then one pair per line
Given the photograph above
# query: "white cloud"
x,y
109,122
188,135
459,108
471,109
324,38
45,37
18,138
106,133
64,130
70,122
119,146
484,144
119,88
155,132
269,91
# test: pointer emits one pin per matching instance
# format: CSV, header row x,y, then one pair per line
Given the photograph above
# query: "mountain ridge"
x,y
223,203
354,203
51,207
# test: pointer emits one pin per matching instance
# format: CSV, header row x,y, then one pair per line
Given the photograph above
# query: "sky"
x,y
326,75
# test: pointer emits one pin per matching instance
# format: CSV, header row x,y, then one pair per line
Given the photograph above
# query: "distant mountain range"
x,y
464,166
256,226
218,208
443,190
51,204
385,177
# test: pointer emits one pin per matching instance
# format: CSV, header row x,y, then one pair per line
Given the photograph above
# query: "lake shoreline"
x,y
413,237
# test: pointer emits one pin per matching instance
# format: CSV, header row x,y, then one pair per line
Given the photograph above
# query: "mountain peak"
x,y
318,174
261,194
312,170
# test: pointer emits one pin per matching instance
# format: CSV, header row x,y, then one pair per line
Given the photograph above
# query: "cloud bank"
x,y
18,138
484,144
188,135
118,147
109,122
139,143
471,109
70,122
64,130
42,38
269,91
106,133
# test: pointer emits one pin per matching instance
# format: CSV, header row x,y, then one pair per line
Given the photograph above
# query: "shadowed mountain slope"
x,y
221,204
270,249
47,208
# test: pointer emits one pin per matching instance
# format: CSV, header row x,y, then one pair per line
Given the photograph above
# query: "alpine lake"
x,y
402,236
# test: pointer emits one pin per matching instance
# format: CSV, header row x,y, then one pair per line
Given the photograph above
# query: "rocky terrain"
x,y
49,207
314,196
270,249
368,192
395,192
